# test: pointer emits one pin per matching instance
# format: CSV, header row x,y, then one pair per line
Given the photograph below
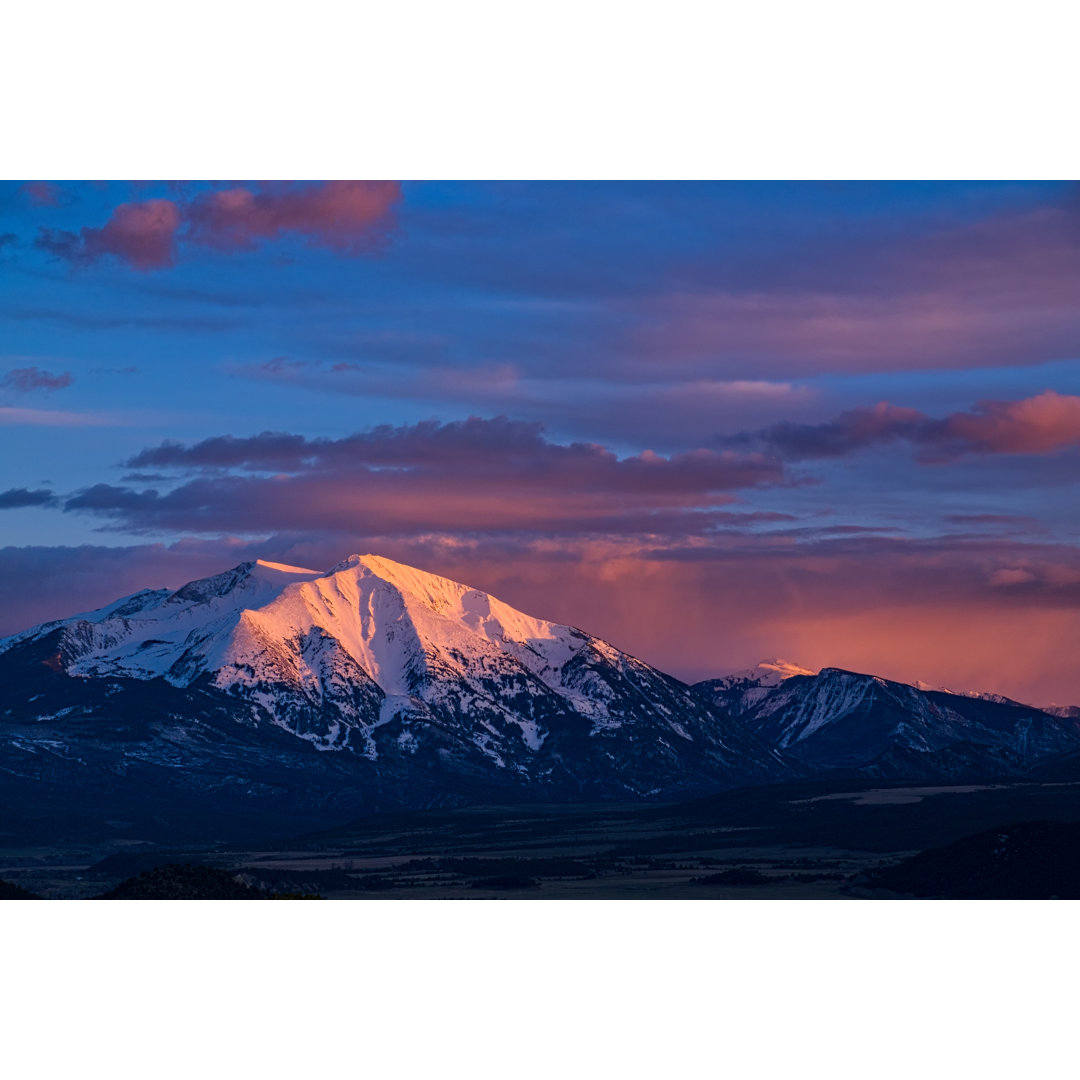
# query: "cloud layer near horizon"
x,y
968,614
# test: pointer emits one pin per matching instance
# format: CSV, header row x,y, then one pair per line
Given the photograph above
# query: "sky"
x,y
837,423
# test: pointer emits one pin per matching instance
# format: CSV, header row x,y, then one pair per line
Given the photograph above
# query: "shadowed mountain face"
x,y
271,693
844,720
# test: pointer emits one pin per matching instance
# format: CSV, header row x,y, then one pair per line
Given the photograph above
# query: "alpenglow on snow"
x,y
418,680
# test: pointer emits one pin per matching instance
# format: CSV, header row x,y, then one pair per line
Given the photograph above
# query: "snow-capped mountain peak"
x,y
428,690
741,690
385,616
770,672
377,657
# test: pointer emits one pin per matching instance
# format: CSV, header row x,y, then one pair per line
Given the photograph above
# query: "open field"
x,y
809,841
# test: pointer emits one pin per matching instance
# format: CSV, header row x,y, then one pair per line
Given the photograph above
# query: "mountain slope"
x,y
371,684
741,691
844,719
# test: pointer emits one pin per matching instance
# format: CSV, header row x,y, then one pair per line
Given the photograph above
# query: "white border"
x,y
539,989
949,89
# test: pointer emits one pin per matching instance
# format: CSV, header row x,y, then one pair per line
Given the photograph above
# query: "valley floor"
x,y
812,841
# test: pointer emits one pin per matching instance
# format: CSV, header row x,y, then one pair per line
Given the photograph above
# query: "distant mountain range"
x,y
842,720
272,698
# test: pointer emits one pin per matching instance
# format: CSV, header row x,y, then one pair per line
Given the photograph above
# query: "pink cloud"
x,y
1007,576
339,214
140,234
42,192
345,216
1037,425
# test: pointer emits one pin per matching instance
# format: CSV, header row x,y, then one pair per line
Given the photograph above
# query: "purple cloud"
x,y
24,380
42,192
1042,424
16,498
471,476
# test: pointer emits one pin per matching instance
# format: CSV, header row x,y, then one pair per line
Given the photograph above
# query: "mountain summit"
x,y
740,691
408,687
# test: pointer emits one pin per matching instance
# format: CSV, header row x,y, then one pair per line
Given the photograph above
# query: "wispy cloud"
x,y
24,380
54,418
42,192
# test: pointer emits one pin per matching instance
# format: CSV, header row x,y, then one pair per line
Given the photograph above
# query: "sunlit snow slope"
x,y
409,671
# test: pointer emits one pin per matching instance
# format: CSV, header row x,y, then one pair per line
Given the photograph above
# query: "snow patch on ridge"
x,y
767,673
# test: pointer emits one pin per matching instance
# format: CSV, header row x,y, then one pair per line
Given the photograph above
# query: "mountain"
x,y
272,699
742,690
1066,712
839,719
982,695
273,693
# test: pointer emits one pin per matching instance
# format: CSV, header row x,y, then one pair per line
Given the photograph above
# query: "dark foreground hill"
x,y
10,891
183,882
1030,860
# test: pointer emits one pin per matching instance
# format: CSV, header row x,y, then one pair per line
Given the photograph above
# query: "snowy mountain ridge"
x,y
849,720
367,618
401,668
740,691
765,673
748,686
